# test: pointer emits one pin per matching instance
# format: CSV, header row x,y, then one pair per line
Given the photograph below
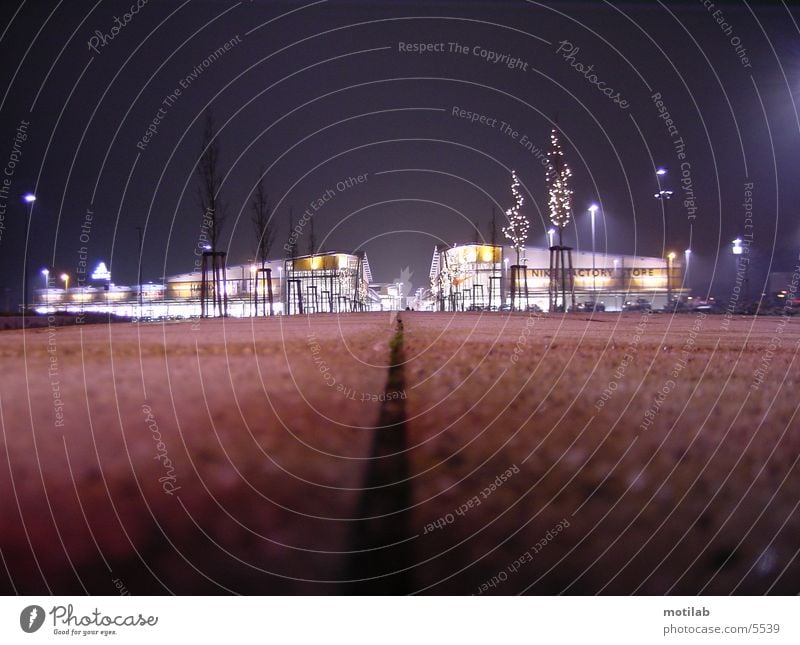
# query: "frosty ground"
x,y
502,453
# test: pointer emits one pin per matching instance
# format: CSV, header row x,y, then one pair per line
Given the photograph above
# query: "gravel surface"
x,y
544,454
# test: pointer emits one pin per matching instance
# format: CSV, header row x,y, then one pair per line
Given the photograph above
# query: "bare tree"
x,y
213,207
291,239
263,226
312,238
210,175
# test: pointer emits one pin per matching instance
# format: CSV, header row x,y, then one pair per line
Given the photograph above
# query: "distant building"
x,y
327,283
477,276
320,283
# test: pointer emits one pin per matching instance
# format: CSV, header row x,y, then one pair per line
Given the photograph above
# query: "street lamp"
x,y
28,198
687,254
46,276
592,211
670,260
65,279
551,235
663,196
738,250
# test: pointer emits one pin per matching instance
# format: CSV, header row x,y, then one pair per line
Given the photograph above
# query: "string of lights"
x,y
518,225
557,179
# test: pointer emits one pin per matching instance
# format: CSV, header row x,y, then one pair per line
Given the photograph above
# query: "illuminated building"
x,y
477,276
325,282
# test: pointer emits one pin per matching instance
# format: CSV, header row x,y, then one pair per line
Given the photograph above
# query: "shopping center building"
x,y
463,278
331,282
481,276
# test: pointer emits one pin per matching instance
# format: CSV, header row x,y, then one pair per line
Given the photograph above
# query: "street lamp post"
x,y
738,251
46,276
65,279
592,210
28,198
687,255
139,272
670,260
664,196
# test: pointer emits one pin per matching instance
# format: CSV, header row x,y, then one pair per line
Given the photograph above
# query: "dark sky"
x,y
316,92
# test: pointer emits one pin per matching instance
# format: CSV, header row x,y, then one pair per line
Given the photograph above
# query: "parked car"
x,y
589,305
710,305
640,304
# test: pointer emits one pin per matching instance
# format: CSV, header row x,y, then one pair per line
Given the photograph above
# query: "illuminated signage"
x,y
101,272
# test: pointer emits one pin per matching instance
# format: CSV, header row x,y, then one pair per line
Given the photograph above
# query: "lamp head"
x,y
29,198
593,208
661,172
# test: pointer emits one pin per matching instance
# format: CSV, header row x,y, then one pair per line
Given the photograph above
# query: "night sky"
x,y
318,92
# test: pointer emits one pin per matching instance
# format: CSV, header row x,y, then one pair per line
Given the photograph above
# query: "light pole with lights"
x,y
738,251
687,255
670,260
65,279
592,211
46,276
28,198
664,196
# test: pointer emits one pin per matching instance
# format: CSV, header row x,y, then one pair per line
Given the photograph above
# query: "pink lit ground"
x,y
269,434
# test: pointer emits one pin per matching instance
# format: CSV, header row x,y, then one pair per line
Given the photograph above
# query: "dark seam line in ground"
x,y
388,567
